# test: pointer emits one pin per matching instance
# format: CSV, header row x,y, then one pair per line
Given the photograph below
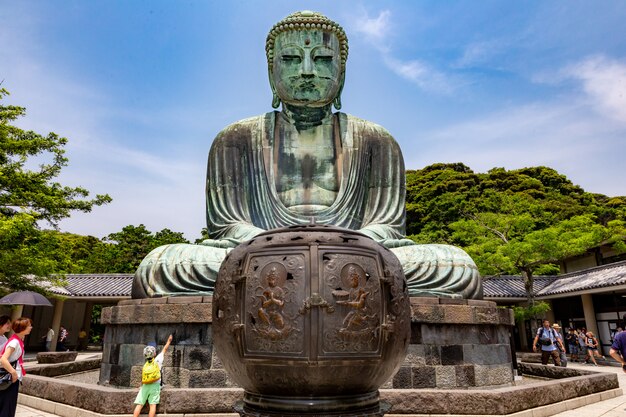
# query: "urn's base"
x,y
361,405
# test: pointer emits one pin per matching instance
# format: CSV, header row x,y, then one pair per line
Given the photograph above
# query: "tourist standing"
x,y
12,360
561,345
582,344
5,326
49,338
618,349
592,349
572,343
82,340
547,341
63,334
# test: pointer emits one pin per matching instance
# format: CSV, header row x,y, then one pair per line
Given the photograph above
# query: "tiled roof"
x,y
602,276
512,286
95,285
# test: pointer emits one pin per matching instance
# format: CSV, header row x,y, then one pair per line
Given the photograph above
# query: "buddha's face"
x,y
307,67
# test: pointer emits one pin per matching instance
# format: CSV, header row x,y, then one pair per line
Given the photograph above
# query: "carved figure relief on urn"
x,y
305,161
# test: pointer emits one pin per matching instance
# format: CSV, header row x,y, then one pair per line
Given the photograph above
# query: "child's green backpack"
x,y
150,372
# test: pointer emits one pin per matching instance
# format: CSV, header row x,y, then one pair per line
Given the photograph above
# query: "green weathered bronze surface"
x,y
301,163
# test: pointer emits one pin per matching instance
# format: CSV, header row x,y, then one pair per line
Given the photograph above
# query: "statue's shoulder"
x,y
244,130
366,129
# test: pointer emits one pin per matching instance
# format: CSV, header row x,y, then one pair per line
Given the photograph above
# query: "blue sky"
x,y
141,88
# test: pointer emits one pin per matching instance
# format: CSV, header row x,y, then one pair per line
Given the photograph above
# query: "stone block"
x,y
432,355
185,299
211,378
448,334
481,303
487,335
424,313
465,376
169,313
176,377
415,356
56,357
114,354
424,377
197,357
402,378
491,375
105,374
459,314
129,302
135,375
105,315
445,376
197,313
130,355
207,299
453,301
487,354
155,300
452,355
506,316
174,356
424,300
486,315
416,333
119,375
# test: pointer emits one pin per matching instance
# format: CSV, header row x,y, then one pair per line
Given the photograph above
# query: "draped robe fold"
x,y
242,202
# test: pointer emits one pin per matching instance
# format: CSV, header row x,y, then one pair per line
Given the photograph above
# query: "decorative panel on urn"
x,y
274,289
351,282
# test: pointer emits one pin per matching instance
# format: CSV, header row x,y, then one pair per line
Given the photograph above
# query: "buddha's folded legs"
x,y
183,269
178,269
439,271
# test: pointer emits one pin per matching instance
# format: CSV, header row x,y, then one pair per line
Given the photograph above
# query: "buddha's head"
x,y
306,56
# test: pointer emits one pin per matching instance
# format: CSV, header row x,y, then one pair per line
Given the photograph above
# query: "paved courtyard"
x,y
615,407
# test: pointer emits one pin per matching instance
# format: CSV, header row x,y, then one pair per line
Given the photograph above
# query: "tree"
x,y
30,197
511,222
123,251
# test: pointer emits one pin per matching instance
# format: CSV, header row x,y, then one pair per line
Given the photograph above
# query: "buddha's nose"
x,y
308,70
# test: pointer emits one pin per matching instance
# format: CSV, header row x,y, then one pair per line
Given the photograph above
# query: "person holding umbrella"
x,y
12,360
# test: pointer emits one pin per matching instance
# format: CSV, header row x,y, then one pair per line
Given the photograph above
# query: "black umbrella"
x,y
27,298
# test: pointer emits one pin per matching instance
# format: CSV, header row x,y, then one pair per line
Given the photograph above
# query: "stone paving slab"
x,y
611,404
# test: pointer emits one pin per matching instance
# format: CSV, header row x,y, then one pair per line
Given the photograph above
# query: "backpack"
x,y
150,372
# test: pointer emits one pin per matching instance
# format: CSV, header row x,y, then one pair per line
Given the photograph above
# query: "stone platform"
x,y
572,388
454,344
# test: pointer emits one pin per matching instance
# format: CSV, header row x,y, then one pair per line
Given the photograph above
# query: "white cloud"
x,y
422,75
477,53
604,81
564,135
377,31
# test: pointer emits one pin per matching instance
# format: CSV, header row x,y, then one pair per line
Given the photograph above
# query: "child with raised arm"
x,y
150,390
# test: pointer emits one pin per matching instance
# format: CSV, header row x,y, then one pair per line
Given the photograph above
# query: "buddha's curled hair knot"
x,y
306,20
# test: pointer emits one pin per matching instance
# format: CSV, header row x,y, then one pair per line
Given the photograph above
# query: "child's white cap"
x,y
149,352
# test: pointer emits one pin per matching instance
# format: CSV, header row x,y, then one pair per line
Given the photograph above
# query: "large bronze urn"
x,y
311,320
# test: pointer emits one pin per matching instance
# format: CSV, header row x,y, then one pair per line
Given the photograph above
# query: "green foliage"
x,y
511,222
121,252
532,311
29,197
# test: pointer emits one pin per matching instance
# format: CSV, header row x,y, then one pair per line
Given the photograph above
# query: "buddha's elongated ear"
x,y
275,98
337,100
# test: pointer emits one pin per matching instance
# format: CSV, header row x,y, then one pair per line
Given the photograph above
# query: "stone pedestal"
x,y
454,344
457,344
132,324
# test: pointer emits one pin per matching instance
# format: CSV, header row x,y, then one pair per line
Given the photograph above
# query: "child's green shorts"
x,y
150,393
